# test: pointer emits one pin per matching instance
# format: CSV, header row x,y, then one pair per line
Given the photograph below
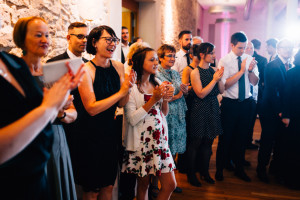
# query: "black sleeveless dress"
x,y
23,176
95,155
205,121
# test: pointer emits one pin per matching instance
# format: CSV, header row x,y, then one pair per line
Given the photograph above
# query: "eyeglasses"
x,y
80,36
109,40
170,56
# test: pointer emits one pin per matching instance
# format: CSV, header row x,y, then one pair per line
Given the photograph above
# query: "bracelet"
x,y
64,115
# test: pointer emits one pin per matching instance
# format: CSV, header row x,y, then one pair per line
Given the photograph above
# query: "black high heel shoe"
x,y
192,179
208,179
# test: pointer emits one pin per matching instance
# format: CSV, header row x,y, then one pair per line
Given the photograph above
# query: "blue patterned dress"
x,y
177,110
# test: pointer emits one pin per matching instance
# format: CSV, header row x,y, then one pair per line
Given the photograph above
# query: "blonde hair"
x,y
135,48
20,30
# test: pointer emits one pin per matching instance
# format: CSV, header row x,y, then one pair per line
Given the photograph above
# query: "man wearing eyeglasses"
x,y
125,44
273,130
77,39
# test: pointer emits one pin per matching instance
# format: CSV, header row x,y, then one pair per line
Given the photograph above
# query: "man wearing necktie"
x,y
182,56
239,72
270,117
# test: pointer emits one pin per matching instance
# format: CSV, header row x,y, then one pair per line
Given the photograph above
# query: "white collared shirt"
x,y
125,49
180,62
230,63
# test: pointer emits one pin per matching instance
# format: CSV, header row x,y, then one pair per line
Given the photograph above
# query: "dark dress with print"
x,y
95,160
59,168
205,113
23,176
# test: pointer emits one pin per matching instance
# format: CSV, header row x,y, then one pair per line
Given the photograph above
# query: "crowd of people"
x,y
175,105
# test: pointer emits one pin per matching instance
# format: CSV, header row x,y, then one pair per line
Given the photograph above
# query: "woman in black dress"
x,y
25,132
103,89
204,112
35,45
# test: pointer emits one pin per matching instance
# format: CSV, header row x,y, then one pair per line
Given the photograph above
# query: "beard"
x,y
187,47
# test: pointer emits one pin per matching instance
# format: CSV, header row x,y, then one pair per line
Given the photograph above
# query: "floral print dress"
x,y
153,155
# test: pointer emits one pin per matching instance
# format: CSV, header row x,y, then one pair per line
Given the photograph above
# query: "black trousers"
x,y
273,131
235,117
199,149
252,122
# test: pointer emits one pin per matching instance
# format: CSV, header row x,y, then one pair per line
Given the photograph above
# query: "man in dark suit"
x,y
271,110
77,39
125,44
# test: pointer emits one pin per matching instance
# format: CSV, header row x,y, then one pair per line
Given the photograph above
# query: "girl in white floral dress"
x,y
146,129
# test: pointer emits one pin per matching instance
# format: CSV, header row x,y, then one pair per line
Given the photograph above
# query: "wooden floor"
x,y
233,188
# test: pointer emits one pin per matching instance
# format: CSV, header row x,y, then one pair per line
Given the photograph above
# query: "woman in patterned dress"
x,y
146,129
205,123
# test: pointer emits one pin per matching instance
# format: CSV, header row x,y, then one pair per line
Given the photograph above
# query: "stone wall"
x,y
58,13
184,17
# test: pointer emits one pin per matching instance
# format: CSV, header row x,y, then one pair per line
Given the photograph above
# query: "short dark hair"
x,y
161,51
135,39
204,48
76,25
256,43
184,32
272,42
124,27
138,59
95,35
297,59
20,30
238,37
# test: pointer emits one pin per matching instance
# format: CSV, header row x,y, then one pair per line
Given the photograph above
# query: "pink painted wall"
x,y
255,28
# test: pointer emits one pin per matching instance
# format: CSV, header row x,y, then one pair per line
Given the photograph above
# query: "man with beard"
x,y
77,38
182,56
239,72
271,48
125,44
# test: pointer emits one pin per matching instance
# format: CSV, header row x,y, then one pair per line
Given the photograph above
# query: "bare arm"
x,y
165,108
17,135
186,76
196,81
88,98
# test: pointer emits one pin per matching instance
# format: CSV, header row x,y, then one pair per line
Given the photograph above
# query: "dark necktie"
x,y
188,59
241,82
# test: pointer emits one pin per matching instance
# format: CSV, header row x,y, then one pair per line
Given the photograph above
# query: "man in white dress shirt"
x,y
125,44
239,72
182,56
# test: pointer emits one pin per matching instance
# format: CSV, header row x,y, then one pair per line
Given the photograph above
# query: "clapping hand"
x,y
128,82
159,92
218,74
184,88
252,64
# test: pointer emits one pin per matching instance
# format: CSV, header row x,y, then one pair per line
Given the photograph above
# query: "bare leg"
x,y
106,193
90,195
168,185
142,187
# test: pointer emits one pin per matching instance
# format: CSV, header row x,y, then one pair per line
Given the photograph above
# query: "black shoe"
x,y
219,176
252,146
153,191
262,175
246,163
192,179
230,167
208,179
178,190
242,175
257,141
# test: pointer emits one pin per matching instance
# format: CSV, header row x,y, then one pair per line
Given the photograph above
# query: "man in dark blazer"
x,y
125,44
271,111
77,39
